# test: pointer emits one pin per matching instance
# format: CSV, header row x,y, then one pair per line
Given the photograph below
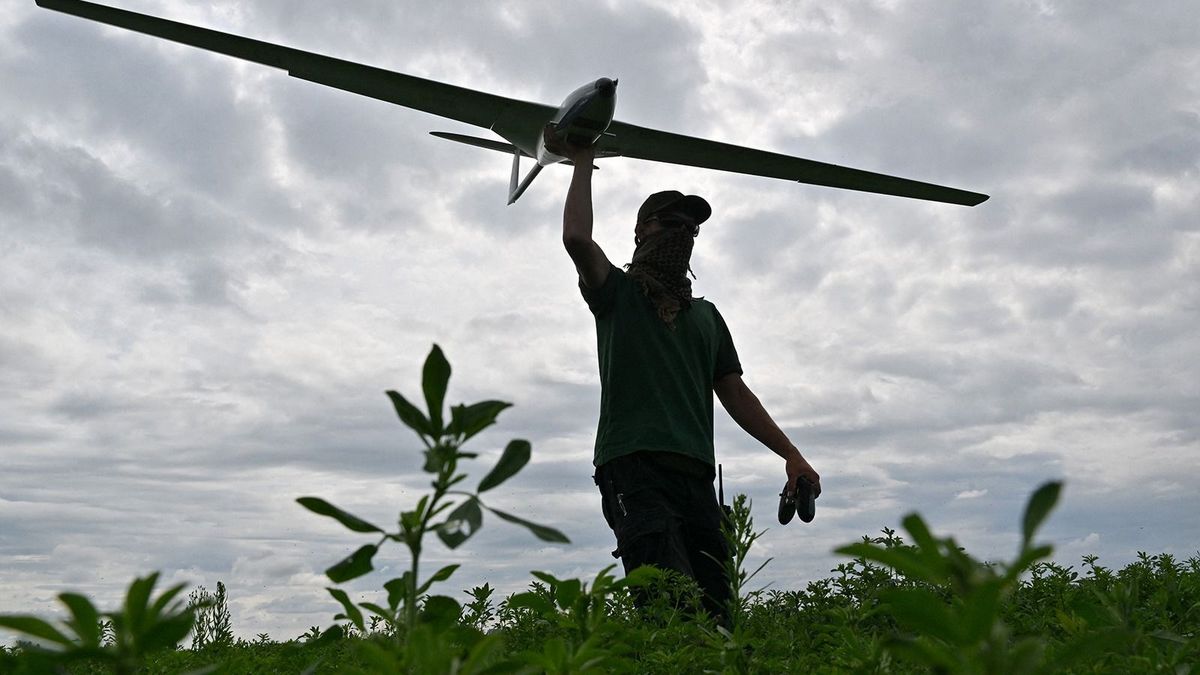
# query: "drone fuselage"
x,y
583,117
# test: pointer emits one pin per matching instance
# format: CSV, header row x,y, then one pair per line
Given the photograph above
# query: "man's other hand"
x,y
798,468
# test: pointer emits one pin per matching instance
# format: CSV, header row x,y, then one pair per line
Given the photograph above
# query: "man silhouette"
x,y
662,353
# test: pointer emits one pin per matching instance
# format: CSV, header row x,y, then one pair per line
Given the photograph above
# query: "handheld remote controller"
x,y
802,502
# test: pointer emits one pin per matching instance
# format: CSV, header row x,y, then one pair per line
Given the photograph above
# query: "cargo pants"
x,y
664,512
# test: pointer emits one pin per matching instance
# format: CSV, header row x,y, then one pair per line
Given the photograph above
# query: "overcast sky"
x,y
211,272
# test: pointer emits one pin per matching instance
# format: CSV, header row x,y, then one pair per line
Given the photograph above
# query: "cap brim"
x,y
695,207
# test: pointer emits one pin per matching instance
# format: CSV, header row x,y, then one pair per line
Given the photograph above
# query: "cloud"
x,y
970,494
213,271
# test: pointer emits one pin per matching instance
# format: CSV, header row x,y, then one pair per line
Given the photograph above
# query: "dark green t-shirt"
x,y
656,384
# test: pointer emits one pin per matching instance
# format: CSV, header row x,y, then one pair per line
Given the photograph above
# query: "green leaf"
x,y
397,589
921,611
936,656
472,419
540,531
353,566
382,612
35,627
350,521
1040,505
1024,656
515,457
441,575
645,575
166,633
330,635
531,601
409,414
929,551
435,377
567,592
352,613
462,522
160,605
549,579
906,561
923,538
604,582
85,619
440,611
1168,636
487,651
1084,647
137,600
1026,560
554,653
437,457
981,611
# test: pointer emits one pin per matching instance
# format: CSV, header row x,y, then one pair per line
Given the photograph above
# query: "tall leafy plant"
x,y
453,522
731,638
213,627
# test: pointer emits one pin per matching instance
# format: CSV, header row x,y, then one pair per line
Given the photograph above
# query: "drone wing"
x,y
663,146
518,121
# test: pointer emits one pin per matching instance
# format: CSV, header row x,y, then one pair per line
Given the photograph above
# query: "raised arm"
x,y
589,259
745,409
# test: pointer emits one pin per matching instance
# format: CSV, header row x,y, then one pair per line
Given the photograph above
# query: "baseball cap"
x,y
674,201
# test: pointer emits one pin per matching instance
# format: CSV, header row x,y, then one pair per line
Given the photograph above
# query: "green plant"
x,y
740,537
577,633
407,605
142,626
952,611
212,626
479,613
730,639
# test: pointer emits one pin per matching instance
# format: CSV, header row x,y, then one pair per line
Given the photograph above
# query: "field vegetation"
x,y
910,603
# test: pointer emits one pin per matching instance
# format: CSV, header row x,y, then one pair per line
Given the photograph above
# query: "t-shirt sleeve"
x,y
601,300
727,358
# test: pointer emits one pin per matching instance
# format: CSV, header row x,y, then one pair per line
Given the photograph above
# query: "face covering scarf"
x,y
660,265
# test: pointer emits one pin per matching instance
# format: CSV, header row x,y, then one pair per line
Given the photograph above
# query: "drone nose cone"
x,y
606,87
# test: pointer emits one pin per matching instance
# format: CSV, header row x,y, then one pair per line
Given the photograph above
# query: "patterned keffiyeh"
x,y
661,265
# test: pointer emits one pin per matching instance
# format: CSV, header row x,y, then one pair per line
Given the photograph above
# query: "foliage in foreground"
x,y
894,607
1142,618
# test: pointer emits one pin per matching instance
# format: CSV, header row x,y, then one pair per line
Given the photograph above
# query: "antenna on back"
x,y
721,496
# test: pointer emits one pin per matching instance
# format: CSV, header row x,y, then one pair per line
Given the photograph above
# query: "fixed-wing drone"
x,y
585,117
